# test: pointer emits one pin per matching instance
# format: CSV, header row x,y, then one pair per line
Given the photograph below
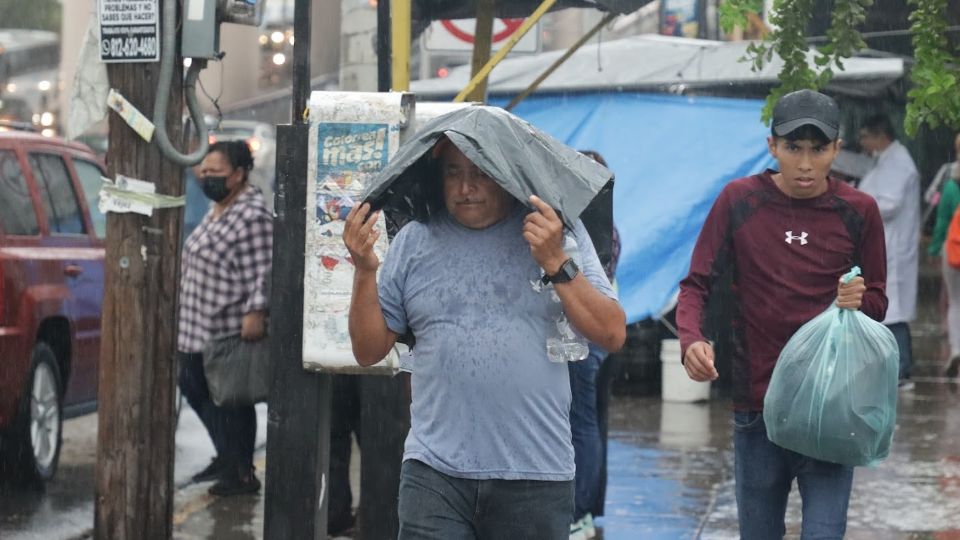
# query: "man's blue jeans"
x,y
585,428
436,506
901,331
764,473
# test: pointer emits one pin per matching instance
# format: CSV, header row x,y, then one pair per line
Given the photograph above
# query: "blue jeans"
x,y
764,473
585,429
901,331
436,506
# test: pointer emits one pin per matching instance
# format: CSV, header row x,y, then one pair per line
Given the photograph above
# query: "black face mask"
x,y
215,187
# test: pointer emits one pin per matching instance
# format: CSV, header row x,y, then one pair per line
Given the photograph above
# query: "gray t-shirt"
x,y
487,403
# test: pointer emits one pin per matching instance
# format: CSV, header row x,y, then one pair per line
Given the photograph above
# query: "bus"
x,y
29,78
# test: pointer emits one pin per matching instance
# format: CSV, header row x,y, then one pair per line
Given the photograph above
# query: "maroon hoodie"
x,y
787,256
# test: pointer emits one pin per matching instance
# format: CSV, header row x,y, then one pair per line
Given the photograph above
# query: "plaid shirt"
x,y
225,271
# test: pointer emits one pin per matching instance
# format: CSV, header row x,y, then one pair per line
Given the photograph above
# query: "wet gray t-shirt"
x,y
487,403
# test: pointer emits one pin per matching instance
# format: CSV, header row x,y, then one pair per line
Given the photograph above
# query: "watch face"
x,y
567,272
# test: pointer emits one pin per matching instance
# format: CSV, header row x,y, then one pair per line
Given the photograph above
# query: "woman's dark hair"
x,y
237,153
594,155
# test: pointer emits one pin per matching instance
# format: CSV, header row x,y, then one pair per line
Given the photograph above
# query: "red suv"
x,y
51,291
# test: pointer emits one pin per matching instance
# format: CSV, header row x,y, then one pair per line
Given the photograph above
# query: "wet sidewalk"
x,y
671,477
671,472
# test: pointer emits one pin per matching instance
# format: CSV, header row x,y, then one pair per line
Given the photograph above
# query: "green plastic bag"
x,y
833,393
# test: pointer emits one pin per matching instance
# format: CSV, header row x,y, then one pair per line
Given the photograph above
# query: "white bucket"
x,y
676,385
684,425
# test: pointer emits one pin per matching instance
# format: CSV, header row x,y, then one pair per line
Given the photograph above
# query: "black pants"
x,y
608,372
344,422
232,429
381,405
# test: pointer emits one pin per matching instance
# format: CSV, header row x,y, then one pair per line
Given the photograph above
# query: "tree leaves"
x,y
934,99
734,13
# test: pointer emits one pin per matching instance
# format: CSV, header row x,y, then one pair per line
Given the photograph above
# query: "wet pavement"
x,y
671,472
64,509
670,477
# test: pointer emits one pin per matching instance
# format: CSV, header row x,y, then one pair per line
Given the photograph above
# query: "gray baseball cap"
x,y
806,107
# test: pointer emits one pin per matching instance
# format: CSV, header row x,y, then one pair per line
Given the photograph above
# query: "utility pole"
x,y
482,41
135,446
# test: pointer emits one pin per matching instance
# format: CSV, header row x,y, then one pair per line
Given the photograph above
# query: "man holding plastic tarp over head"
x,y
788,236
473,277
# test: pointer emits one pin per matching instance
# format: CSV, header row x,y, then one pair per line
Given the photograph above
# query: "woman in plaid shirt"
x,y
224,291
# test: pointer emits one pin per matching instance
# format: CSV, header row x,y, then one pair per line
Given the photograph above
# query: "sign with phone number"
x,y
129,30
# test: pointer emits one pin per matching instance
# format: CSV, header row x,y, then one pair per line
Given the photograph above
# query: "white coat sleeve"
x,y
889,185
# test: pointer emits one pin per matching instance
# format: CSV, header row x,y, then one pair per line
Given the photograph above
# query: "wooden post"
x,y
135,446
298,423
482,42
400,28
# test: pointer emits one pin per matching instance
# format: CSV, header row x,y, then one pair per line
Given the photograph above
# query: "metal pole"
x,y
298,425
400,33
383,46
502,53
553,67
301,61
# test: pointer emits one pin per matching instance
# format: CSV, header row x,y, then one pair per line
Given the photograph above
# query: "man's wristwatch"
x,y
568,271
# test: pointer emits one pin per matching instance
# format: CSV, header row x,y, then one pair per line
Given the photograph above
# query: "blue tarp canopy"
x,y
671,155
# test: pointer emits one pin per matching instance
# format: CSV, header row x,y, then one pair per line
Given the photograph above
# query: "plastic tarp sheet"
x,y
521,158
671,156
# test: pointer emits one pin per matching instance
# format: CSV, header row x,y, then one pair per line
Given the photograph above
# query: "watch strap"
x,y
568,270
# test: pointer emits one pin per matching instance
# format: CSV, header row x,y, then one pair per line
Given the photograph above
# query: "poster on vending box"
x,y
349,144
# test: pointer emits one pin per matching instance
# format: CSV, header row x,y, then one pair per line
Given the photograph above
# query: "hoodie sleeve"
x,y
873,254
711,255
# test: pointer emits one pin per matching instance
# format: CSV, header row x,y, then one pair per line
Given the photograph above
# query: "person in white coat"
x,y
895,184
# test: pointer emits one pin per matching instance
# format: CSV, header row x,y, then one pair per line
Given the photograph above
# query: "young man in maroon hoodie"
x,y
788,236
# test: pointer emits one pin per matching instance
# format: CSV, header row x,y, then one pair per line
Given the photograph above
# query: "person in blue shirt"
x,y
489,453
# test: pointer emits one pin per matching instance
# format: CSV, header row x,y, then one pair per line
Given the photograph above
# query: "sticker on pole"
x,y
129,30
458,35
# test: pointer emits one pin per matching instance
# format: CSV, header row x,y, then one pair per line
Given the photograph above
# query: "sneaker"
x,y
587,524
211,472
231,485
953,369
906,385
577,532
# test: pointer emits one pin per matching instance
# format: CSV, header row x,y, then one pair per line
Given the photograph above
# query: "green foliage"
x,y
843,38
788,41
734,13
934,98
31,14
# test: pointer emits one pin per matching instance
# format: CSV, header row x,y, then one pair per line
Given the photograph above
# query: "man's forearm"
x,y
597,317
369,335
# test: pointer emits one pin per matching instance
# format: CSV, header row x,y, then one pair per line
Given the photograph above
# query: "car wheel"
x,y
32,450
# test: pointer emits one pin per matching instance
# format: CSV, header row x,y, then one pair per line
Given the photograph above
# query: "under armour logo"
x,y
802,238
